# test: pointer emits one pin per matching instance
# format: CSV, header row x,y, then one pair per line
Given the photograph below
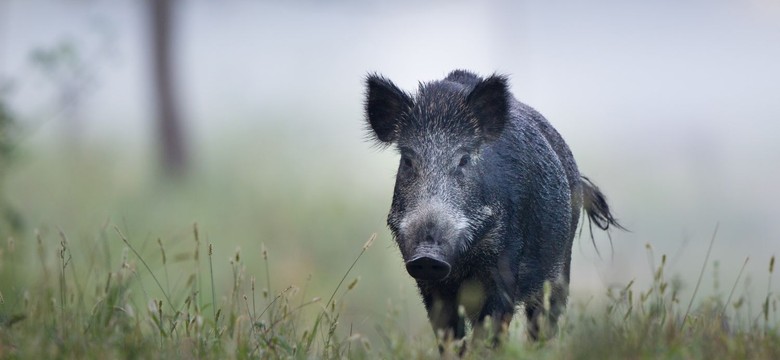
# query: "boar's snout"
x,y
428,265
428,235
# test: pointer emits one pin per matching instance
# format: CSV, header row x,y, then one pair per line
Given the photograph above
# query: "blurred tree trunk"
x,y
173,149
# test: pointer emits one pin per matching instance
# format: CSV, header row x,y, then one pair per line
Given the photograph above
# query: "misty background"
x,y
672,108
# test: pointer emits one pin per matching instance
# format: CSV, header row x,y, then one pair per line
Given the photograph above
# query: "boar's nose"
x,y
428,267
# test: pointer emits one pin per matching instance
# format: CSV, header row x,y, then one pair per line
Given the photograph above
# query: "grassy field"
x,y
281,257
130,309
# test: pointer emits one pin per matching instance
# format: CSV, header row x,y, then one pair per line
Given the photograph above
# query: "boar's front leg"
x,y
500,311
442,310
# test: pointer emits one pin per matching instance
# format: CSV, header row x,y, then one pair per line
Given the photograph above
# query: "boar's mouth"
x,y
428,263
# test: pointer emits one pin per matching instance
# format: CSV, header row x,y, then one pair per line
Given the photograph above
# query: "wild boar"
x,y
487,199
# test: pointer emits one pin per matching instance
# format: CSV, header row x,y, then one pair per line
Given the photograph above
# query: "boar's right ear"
x,y
386,105
489,102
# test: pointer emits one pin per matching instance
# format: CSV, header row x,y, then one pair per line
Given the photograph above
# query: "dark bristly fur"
x,y
486,202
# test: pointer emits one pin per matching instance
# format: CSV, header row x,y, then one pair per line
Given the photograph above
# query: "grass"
x,y
119,313
68,314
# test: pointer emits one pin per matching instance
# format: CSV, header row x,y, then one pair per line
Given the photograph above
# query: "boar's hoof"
x,y
428,268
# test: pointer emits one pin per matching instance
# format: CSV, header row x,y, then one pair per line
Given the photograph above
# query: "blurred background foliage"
x,y
246,118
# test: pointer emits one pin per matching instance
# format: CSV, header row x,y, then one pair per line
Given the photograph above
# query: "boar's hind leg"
x,y
542,322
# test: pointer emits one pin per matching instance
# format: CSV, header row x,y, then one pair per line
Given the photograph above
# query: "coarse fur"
x,y
487,186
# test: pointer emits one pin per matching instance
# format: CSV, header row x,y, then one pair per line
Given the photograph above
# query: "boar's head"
x,y
441,206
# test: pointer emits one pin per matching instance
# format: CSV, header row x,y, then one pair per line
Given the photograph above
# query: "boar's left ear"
x,y
386,105
489,102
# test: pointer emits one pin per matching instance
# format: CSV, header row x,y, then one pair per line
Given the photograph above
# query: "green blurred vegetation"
x,y
10,220
247,195
310,215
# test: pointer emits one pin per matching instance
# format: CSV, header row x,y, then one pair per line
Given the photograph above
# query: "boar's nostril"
x,y
428,268
429,238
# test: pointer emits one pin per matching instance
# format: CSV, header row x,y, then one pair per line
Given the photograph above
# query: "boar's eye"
x,y
406,162
464,160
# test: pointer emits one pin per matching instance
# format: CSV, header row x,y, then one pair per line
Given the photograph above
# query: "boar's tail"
x,y
595,204
596,208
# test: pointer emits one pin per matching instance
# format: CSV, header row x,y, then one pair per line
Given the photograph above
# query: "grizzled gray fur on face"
x,y
487,199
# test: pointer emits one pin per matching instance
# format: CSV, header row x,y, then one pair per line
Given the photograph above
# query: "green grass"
x,y
133,310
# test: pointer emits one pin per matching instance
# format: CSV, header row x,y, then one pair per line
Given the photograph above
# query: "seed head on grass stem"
x,y
765,307
65,258
159,285
701,274
213,292
733,288
330,300
267,271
